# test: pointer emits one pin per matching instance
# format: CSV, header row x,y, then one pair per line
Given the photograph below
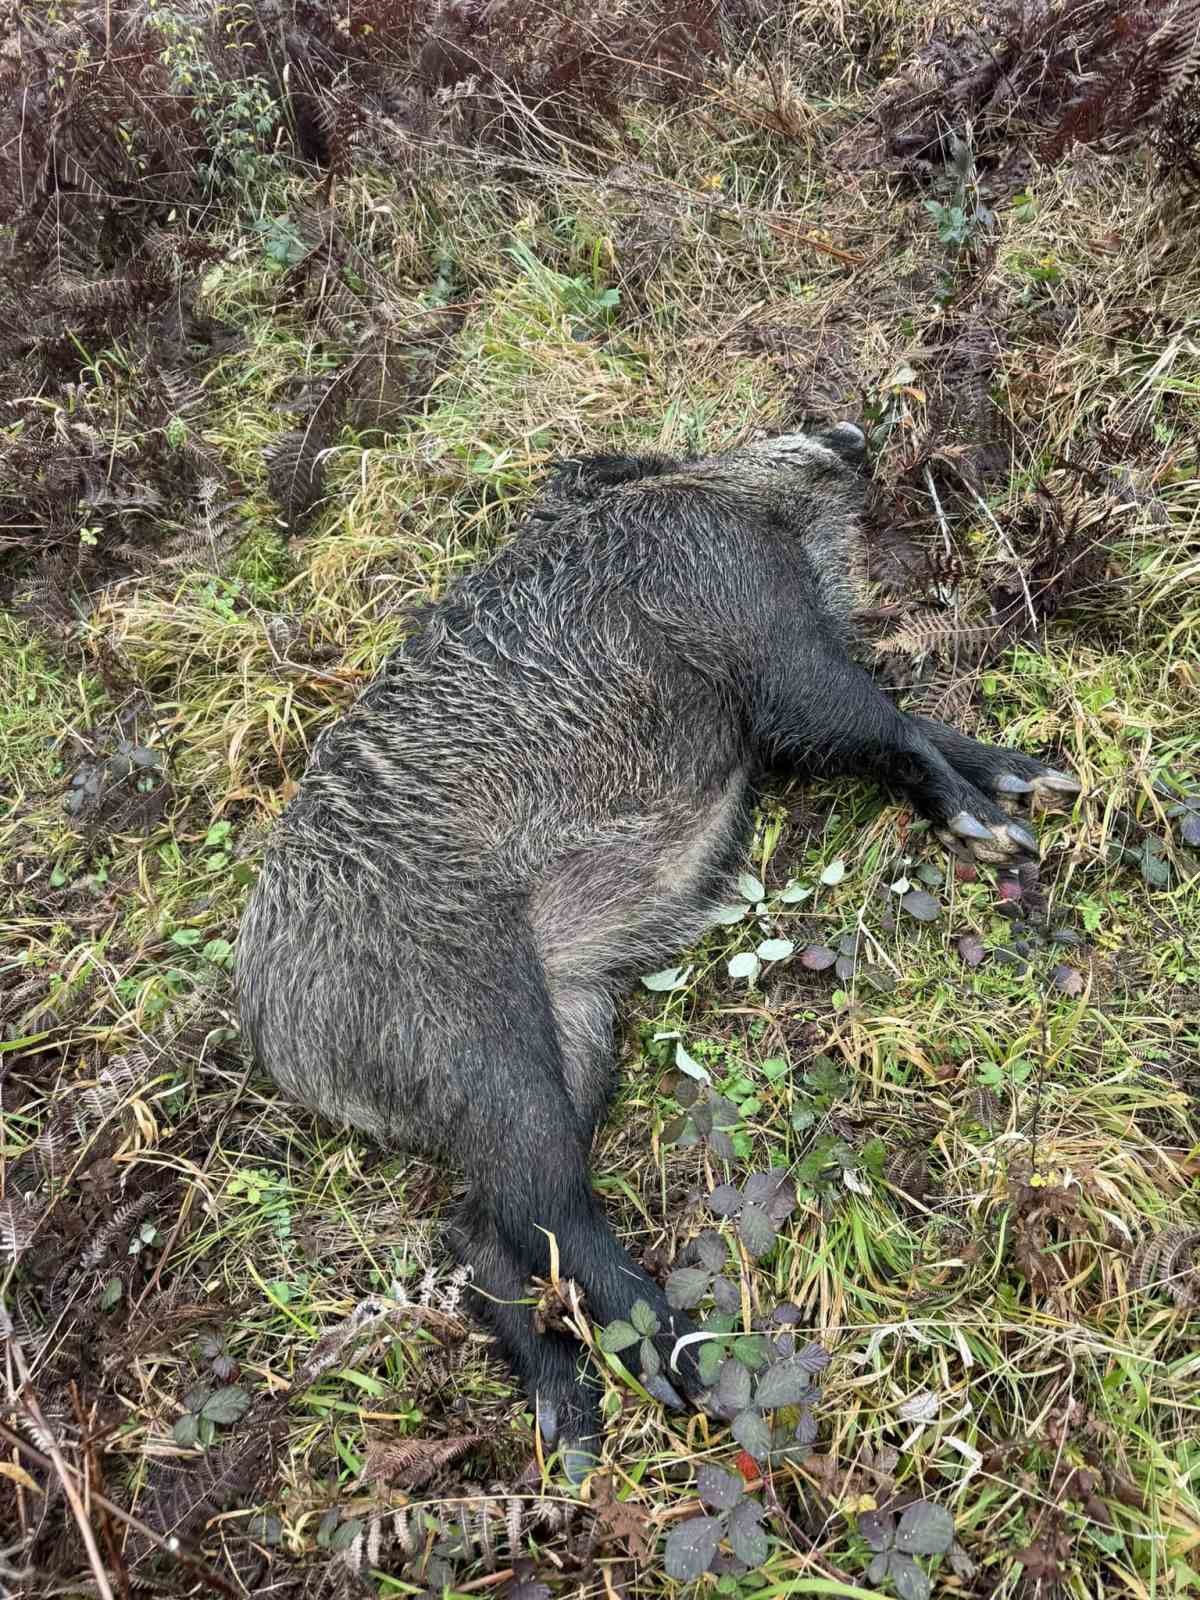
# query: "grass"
x,y
992,1347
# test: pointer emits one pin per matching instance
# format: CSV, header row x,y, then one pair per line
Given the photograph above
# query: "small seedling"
x,y
640,1330
736,1520
205,1409
785,1385
766,1200
924,1529
707,1118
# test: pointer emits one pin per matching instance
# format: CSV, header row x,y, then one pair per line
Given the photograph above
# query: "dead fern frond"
x,y
18,1223
119,1224
938,633
296,472
407,1463
1169,1262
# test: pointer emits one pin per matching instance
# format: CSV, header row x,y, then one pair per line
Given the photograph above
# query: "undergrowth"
x,y
298,304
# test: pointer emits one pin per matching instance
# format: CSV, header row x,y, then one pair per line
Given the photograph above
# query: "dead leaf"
x,y
621,1520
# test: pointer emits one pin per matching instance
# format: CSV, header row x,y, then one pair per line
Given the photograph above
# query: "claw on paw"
x,y
1055,782
1009,783
965,826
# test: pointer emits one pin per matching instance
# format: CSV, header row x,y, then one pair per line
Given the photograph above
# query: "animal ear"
x,y
846,440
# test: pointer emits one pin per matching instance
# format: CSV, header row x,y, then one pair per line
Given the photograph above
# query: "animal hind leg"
x,y
527,1166
583,1017
548,1366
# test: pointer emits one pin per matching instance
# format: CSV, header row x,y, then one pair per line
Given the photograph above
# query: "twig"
x,y
937,506
95,1475
63,1472
1005,545
170,1543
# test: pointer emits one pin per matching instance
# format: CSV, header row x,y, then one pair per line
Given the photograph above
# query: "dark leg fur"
x,y
527,1167
834,717
549,1366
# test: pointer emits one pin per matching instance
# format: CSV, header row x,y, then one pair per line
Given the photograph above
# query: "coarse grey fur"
x,y
546,791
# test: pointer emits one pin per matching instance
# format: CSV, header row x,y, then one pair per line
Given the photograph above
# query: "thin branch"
x,y
63,1473
170,1544
1005,545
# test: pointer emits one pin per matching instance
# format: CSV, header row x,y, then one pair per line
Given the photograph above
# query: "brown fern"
x,y
407,1463
1169,1261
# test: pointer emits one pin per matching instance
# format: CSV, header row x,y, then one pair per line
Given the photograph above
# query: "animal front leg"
x,y
825,714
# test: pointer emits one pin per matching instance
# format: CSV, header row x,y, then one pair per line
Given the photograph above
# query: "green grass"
x,y
954,1376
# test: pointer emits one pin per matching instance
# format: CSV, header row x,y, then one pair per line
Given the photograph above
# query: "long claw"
x,y
1058,782
1009,783
547,1422
1021,836
968,827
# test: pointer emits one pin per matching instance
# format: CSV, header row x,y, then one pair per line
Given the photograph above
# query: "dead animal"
x,y
546,792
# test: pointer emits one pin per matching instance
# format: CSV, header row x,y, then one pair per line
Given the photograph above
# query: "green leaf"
x,y
878,1528
265,1528
746,1535
668,978
911,1583
726,916
690,1548
752,1433
750,1351
344,1536
187,1429
617,1336
686,1287
711,1250
218,832
709,1361
750,887
649,1360
225,1405
744,965
794,893
784,1384
643,1318
919,903
186,937
113,1290
689,1066
1155,870
925,1530
775,949
733,1387
756,1230
718,1490
834,873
